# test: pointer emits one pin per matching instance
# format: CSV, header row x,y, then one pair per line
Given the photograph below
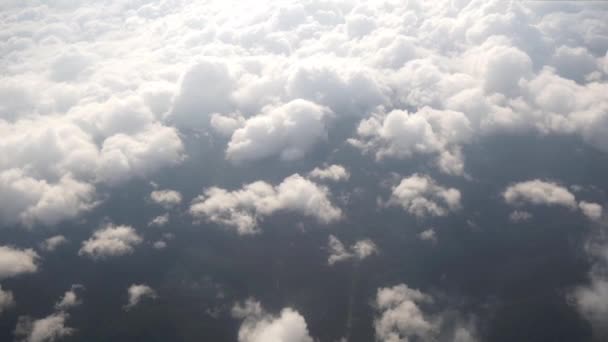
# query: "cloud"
x,y
399,134
334,172
52,243
7,300
137,292
242,209
593,211
359,250
159,221
520,216
421,196
428,235
288,131
14,262
539,192
402,316
110,241
70,299
48,329
259,326
166,198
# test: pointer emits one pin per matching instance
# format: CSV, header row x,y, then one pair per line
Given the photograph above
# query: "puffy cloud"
x,y
360,250
48,329
421,196
400,134
111,241
159,244
288,131
428,235
166,198
7,300
137,292
402,317
53,242
592,302
242,209
592,210
259,326
333,172
159,221
70,299
539,192
14,262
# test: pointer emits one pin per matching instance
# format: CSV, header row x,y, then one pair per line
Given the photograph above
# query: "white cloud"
x,y
399,134
539,192
402,315
259,326
421,196
592,210
53,243
159,221
166,198
242,209
7,300
48,329
428,235
111,241
359,250
14,262
159,244
137,292
333,172
70,299
288,131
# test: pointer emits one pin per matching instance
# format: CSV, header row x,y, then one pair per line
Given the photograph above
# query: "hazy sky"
x,y
319,170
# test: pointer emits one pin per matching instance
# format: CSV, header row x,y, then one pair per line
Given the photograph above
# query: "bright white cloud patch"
x,y
111,241
333,172
288,131
592,210
259,326
137,292
47,329
242,209
428,235
402,316
159,221
14,262
539,192
421,196
70,299
399,134
7,300
359,250
166,198
53,243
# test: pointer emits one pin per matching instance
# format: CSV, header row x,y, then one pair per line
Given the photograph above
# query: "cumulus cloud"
x,y
242,209
359,250
288,131
591,210
399,134
70,299
402,316
159,221
334,172
539,192
428,235
14,262
259,326
137,292
7,300
111,241
52,243
166,198
421,196
47,329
